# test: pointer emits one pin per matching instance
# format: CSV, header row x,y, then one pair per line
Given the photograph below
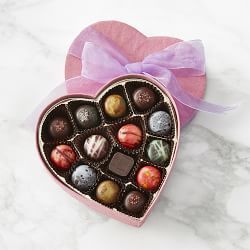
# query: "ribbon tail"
x,y
185,98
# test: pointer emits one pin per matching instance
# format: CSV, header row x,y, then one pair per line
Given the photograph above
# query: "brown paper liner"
x,y
58,111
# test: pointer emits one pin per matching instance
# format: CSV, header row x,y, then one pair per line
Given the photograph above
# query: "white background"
x,y
205,204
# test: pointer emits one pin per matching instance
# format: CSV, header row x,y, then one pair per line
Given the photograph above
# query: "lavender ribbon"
x,y
102,61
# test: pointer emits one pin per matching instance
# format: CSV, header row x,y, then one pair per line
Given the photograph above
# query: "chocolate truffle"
x,y
96,147
60,128
84,177
63,156
149,178
144,98
108,192
87,116
134,201
130,136
158,151
115,106
160,122
121,164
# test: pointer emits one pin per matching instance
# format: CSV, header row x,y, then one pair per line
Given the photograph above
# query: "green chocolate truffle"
x,y
158,151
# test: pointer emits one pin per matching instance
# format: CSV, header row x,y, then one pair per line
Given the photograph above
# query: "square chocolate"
x,y
121,164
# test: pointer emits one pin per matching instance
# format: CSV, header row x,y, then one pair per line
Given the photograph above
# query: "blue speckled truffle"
x,y
84,177
159,122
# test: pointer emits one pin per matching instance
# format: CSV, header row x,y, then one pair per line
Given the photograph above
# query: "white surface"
x,y
205,205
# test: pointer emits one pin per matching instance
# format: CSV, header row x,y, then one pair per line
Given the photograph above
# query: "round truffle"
x,y
84,177
134,201
130,136
149,178
158,151
87,116
63,156
144,98
108,192
115,106
159,122
96,147
60,128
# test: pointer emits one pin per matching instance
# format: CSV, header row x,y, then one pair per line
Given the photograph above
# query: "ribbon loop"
x,y
136,68
101,63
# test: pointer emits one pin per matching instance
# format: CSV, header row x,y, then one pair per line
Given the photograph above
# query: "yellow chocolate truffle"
x,y
115,106
108,192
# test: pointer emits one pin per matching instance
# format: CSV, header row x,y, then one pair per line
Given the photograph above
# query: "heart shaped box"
x,y
135,46
113,211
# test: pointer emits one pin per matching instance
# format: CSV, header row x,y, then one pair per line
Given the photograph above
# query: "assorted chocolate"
x,y
115,149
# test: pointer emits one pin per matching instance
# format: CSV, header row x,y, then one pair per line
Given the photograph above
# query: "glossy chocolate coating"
x,y
130,136
121,164
84,177
108,192
115,106
60,128
63,156
160,122
158,151
96,147
144,98
149,178
134,201
87,116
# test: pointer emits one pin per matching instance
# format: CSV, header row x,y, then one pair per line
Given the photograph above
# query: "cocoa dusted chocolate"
x,y
134,201
60,128
87,116
144,98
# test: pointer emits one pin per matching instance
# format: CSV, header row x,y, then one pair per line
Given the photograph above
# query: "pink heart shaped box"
x,y
135,46
131,220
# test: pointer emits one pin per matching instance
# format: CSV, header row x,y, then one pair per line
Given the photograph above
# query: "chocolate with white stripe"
x,y
96,147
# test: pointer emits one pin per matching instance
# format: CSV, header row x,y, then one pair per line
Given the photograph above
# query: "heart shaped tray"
x,y
108,127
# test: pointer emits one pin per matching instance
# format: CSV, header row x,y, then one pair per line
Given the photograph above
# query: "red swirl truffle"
x,y
149,178
63,156
130,136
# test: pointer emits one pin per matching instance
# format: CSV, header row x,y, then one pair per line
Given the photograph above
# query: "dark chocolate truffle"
x,y
115,106
96,147
134,201
121,164
158,151
87,116
108,192
63,156
144,98
84,177
130,136
60,128
160,122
